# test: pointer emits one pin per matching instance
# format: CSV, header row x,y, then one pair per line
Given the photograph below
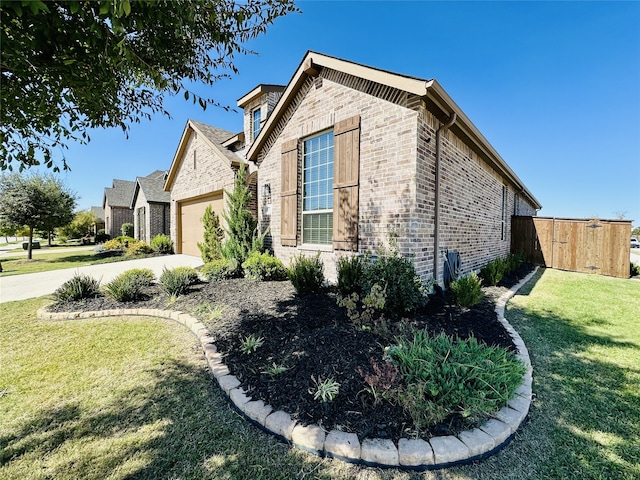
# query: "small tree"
x,y
127,229
80,225
241,226
38,202
211,247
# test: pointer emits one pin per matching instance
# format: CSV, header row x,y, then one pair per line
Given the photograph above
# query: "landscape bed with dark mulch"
x,y
312,338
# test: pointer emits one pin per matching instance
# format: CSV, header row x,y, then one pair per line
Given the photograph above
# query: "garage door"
x,y
191,231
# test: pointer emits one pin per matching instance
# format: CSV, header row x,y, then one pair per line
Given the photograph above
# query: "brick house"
x,y
151,206
203,167
348,155
99,215
116,203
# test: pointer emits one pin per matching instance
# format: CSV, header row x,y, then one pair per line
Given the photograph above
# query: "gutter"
x,y
436,236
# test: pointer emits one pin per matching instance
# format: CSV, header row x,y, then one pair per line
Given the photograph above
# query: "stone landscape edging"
x,y
409,454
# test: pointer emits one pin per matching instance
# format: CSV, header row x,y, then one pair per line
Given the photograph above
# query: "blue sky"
x,y
553,86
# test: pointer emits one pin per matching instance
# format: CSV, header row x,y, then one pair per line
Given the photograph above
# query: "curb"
x,y
409,454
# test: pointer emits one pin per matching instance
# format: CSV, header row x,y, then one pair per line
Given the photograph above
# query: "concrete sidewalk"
x,y
30,285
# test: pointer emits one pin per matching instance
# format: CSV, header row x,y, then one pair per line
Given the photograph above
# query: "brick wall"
x,y
141,231
209,173
118,216
470,202
158,220
387,159
397,177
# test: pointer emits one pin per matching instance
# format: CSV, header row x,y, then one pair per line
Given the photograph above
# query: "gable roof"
x,y
99,213
257,91
153,188
120,194
213,136
435,97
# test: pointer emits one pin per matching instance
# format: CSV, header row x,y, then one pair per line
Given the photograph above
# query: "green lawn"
x,y
132,398
43,262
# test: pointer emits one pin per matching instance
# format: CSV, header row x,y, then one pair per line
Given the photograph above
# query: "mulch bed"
x,y
312,337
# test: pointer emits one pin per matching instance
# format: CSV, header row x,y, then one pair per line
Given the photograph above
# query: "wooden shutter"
x,y
289,194
346,179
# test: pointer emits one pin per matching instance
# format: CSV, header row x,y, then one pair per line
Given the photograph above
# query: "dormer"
x,y
258,105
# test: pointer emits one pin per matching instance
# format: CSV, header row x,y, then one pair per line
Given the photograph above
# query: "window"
x,y
317,183
255,123
503,234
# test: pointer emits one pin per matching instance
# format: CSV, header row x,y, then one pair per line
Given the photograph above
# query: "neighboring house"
x,y
151,206
352,154
347,156
99,225
117,206
203,167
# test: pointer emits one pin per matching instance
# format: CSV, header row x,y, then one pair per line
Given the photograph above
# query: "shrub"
x,y
138,248
515,261
443,375
129,285
102,236
307,273
177,281
262,266
466,290
127,229
350,274
494,271
404,290
77,288
241,225
162,243
112,245
119,243
634,270
221,269
211,247
144,276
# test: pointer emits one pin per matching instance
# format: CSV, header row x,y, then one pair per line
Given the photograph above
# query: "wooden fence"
x,y
578,245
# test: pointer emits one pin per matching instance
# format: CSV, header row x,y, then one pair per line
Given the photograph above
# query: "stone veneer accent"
x,y
409,454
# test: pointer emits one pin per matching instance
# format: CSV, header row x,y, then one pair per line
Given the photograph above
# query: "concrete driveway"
x,y
30,285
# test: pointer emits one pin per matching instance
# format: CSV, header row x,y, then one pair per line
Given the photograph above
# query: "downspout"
x,y
436,235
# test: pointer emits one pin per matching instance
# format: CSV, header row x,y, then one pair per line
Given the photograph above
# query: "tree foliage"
x,y
241,226
40,202
67,66
211,246
80,225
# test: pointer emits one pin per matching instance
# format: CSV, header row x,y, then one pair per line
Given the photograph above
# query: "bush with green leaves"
x,y
262,266
119,243
442,375
78,287
515,260
240,223
138,248
221,269
211,246
162,244
177,281
404,290
307,273
102,236
127,229
350,273
494,271
467,290
129,285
